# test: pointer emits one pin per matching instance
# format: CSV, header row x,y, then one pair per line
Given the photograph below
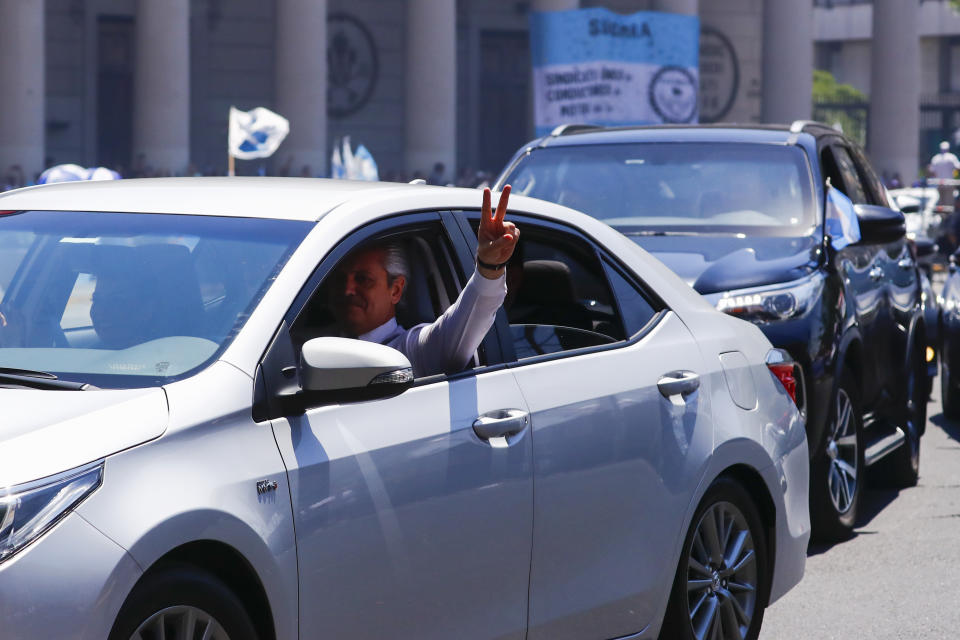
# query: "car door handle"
x,y
905,264
876,273
501,423
678,383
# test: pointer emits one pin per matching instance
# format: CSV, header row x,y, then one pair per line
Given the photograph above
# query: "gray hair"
x,y
394,260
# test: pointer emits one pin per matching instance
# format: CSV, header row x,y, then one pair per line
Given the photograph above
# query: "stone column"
x,y
555,5
787,60
688,7
431,101
22,86
161,85
301,83
894,127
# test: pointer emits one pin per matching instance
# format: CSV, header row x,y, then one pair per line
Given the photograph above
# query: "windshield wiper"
x,y
40,380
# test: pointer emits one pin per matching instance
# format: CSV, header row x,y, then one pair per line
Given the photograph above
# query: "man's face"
x,y
361,296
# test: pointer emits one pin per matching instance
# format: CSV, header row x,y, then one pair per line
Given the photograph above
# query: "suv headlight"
x,y
28,510
771,302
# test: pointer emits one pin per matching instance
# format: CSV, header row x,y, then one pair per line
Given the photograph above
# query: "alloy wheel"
x,y
842,453
181,622
722,575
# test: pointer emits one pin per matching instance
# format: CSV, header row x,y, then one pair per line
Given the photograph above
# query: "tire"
x,y
836,474
168,597
902,467
949,395
708,595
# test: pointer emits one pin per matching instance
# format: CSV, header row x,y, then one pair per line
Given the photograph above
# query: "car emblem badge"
x,y
263,486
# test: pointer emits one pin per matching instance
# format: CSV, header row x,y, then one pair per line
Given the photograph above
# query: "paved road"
x,y
899,577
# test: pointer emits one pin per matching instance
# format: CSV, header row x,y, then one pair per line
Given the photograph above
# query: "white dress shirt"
x,y
447,344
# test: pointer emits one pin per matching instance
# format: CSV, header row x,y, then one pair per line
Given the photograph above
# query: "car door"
x,y
902,277
864,267
408,523
615,459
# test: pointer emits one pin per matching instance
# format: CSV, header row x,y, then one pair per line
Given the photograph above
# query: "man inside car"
x,y
369,284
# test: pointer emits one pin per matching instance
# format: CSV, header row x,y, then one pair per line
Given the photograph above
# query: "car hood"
x,y
714,263
46,432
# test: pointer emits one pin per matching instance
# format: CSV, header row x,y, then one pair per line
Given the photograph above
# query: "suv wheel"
x,y
949,395
181,602
902,467
837,470
721,585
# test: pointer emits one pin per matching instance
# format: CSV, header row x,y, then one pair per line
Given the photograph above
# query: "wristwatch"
x,y
492,267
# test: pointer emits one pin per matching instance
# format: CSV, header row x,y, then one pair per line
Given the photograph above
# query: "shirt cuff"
x,y
487,287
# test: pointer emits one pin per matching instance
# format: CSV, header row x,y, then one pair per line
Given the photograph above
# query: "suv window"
x,y
759,189
848,173
875,190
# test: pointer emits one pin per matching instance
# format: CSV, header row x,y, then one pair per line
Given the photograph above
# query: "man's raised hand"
x,y
496,238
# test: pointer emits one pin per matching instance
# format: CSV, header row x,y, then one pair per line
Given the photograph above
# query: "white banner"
x,y
256,133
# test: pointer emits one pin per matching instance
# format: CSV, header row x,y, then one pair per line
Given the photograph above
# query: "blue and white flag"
x,y
365,167
256,133
842,225
63,173
337,170
595,66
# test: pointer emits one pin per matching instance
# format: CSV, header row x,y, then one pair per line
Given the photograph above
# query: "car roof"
x,y
769,134
306,199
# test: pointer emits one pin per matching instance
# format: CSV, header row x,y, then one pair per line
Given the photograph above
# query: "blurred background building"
x,y
144,86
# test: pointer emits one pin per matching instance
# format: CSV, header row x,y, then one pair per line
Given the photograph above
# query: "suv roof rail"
x,y
797,125
564,129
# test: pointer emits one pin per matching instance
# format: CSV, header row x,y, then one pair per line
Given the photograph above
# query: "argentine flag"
x,y
843,226
256,133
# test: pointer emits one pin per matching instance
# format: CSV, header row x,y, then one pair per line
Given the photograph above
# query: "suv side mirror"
x,y
353,367
879,225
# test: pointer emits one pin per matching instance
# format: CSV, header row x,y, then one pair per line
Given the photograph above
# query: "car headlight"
x,y
772,302
28,510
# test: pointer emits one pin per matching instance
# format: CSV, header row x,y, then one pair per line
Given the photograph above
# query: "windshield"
x,y
684,187
124,300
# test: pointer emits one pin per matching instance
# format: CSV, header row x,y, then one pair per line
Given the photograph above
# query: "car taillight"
x,y
784,373
790,375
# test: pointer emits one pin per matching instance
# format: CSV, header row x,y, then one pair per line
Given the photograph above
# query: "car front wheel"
x,y
837,471
181,602
721,585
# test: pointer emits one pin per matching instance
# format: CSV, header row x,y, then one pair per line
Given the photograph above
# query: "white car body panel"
x,y
183,462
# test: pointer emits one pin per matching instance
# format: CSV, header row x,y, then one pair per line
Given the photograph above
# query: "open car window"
x,y
431,286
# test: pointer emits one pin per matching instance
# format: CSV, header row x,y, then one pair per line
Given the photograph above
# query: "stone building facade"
x,y
134,83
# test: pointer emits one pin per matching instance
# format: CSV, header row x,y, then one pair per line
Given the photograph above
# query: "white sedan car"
x,y
189,448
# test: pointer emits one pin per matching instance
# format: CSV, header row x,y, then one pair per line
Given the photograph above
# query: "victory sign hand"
x,y
496,238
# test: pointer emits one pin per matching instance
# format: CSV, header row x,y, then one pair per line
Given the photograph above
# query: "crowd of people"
x,y
14,177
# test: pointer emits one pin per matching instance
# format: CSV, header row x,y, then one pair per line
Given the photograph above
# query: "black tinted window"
x,y
636,309
848,172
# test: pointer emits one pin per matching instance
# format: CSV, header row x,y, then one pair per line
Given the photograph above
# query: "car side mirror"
x,y
954,259
353,369
879,225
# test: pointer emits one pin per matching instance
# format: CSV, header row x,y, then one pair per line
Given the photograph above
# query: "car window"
x,y
876,192
121,300
558,297
848,172
759,189
636,307
432,285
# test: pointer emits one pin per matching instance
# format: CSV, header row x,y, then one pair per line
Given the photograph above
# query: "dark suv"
x,y
740,214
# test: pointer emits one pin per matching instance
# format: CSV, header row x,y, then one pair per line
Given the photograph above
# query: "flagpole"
x,y
230,164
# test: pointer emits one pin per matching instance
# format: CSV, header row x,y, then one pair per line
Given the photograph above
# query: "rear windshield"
x,y
724,187
123,300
